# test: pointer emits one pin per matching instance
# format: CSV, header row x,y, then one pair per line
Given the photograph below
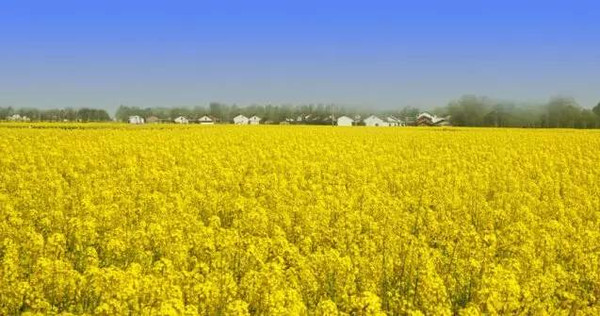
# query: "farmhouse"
x,y
206,120
344,121
181,120
254,120
136,119
374,121
240,120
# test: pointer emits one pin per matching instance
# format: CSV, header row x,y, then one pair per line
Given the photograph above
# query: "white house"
x,y
374,121
136,119
181,120
254,120
240,120
206,120
344,121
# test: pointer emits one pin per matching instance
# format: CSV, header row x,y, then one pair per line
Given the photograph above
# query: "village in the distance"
x,y
423,119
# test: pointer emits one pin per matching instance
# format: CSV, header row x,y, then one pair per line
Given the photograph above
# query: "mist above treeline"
x,y
468,110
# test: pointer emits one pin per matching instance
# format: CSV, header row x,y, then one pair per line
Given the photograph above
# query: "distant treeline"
x,y
558,112
466,111
57,115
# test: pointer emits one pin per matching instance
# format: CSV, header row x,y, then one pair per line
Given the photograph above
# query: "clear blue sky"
x,y
369,53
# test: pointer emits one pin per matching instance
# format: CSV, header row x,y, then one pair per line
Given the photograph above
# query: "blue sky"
x,y
380,54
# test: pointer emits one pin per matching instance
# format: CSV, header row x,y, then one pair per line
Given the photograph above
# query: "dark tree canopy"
x,y
58,115
596,109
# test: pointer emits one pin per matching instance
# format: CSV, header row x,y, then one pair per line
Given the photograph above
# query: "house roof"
x,y
434,118
425,114
372,117
346,117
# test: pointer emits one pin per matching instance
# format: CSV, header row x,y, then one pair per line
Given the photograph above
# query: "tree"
x,y
589,119
69,114
469,110
596,109
123,113
92,115
218,110
6,112
32,113
563,112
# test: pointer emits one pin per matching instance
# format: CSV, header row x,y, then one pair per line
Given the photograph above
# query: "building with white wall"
x,y
240,120
136,119
254,120
344,121
374,121
181,120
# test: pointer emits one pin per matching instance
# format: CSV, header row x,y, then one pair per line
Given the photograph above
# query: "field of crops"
x,y
276,220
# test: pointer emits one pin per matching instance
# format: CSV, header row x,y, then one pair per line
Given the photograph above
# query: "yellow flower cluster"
x,y
290,220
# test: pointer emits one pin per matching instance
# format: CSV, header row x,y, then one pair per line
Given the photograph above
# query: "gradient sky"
x,y
382,54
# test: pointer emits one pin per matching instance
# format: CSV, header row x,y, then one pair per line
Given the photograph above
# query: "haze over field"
x,y
374,54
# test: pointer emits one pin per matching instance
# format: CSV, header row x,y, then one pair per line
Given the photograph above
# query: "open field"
x,y
278,220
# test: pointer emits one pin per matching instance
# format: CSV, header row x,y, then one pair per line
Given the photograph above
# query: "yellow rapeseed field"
x,y
291,220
